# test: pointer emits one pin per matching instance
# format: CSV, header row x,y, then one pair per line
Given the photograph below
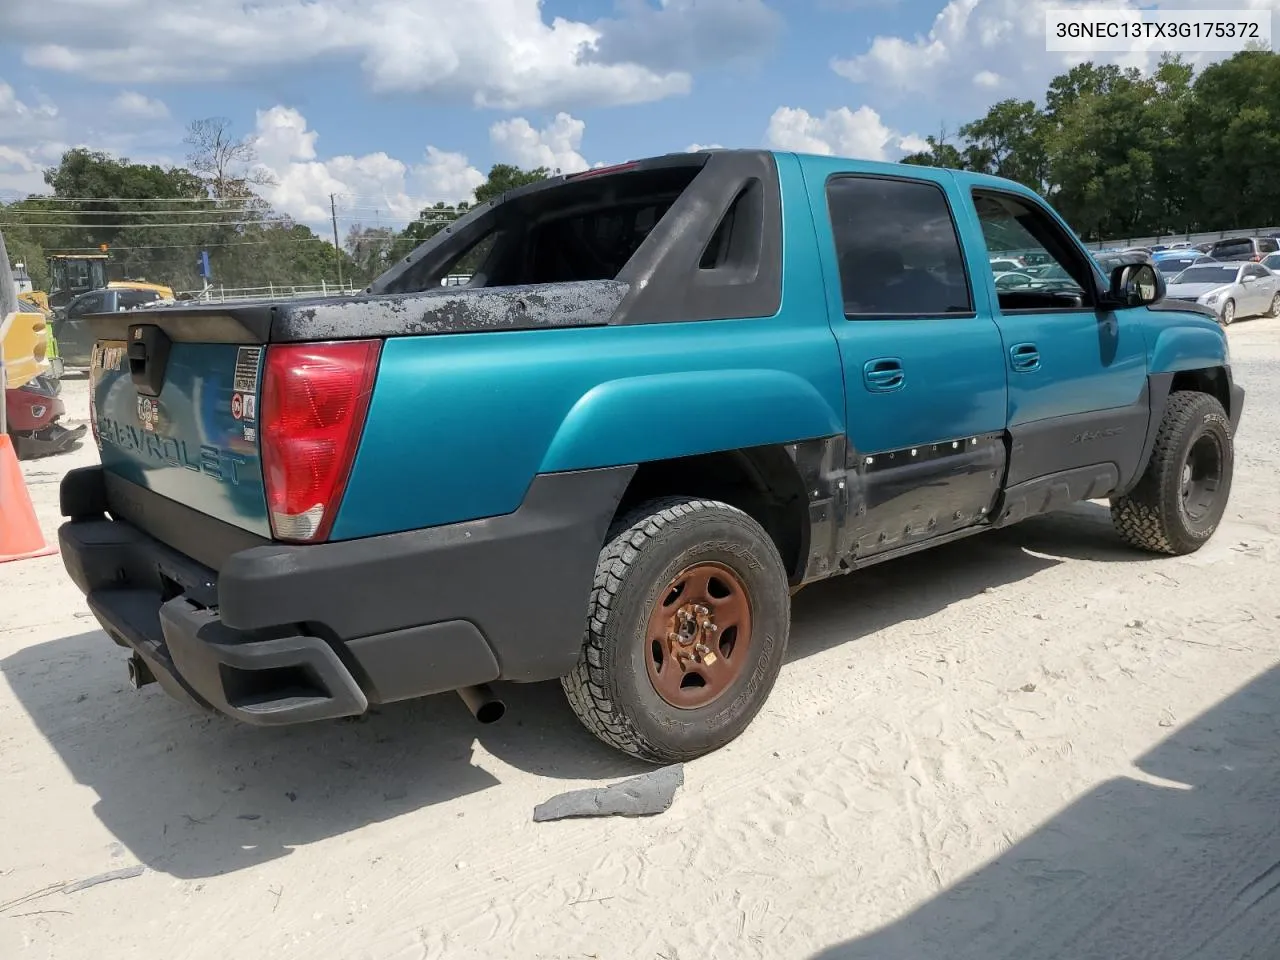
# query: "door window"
x,y
1256,271
1015,227
898,250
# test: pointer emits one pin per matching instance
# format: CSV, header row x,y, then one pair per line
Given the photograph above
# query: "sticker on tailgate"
x,y
247,361
244,399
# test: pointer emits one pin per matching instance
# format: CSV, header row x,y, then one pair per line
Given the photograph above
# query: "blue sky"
x,y
392,103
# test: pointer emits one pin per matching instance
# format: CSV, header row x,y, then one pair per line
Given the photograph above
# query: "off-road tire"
x,y
610,689
1152,516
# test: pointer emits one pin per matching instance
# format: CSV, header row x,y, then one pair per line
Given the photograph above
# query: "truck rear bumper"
x,y
286,634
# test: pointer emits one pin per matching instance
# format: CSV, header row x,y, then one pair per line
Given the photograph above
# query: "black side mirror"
x,y
1136,285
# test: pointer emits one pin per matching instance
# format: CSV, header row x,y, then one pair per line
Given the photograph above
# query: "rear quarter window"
x,y
131,299
1233,248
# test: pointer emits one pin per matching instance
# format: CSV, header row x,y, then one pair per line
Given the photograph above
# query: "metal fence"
x,y
1192,238
220,294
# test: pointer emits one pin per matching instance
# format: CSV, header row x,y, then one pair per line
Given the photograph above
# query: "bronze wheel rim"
x,y
699,635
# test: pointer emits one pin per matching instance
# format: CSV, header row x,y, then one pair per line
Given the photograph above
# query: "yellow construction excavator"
x,y
71,274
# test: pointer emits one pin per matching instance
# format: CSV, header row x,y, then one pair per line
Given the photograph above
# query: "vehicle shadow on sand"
x,y
1132,869
194,794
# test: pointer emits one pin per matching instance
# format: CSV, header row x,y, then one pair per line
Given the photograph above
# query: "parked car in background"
x,y
1173,262
1244,248
1013,279
1231,290
75,342
1006,265
1272,262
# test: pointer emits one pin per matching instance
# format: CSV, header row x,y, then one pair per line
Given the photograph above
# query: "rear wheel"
x,y
1275,306
1180,500
687,630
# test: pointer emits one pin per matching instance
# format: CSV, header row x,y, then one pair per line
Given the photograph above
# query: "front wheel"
x,y
686,633
1228,313
1177,505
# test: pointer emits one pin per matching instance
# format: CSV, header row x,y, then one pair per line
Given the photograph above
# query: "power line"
x,y
42,198
196,244
279,224
136,213
370,201
275,224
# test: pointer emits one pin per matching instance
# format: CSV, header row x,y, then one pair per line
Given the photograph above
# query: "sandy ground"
x,y
1032,744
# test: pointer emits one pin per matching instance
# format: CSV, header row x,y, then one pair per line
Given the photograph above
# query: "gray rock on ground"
x,y
642,796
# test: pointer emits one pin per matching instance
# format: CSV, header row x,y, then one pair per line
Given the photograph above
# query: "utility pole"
x,y
337,250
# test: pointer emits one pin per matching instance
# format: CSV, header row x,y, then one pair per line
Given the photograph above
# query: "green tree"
x,y
939,154
504,177
1009,142
1233,120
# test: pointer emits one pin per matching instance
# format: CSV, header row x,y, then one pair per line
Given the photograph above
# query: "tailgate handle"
x,y
148,357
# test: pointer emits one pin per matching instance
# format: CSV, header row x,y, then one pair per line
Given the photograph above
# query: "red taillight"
x,y
314,400
603,171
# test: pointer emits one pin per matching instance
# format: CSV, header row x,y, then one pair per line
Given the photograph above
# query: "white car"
x,y
1005,265
1272,262
1231,290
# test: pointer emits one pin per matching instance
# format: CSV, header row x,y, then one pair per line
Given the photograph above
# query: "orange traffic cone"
x,y
20,536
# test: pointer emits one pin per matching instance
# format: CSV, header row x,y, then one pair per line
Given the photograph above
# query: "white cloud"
x,y
913,144
368,188
32,141
951,62
136,106
843,132
494,53
556,146
695,147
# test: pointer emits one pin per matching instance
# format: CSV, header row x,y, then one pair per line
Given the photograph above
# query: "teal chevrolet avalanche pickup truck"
x,y
672,392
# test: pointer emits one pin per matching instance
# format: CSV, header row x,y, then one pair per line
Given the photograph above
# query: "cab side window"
x,y
1055,275
898,250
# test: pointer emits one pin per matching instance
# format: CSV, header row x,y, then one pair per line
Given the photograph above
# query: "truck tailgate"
x,y
180,420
